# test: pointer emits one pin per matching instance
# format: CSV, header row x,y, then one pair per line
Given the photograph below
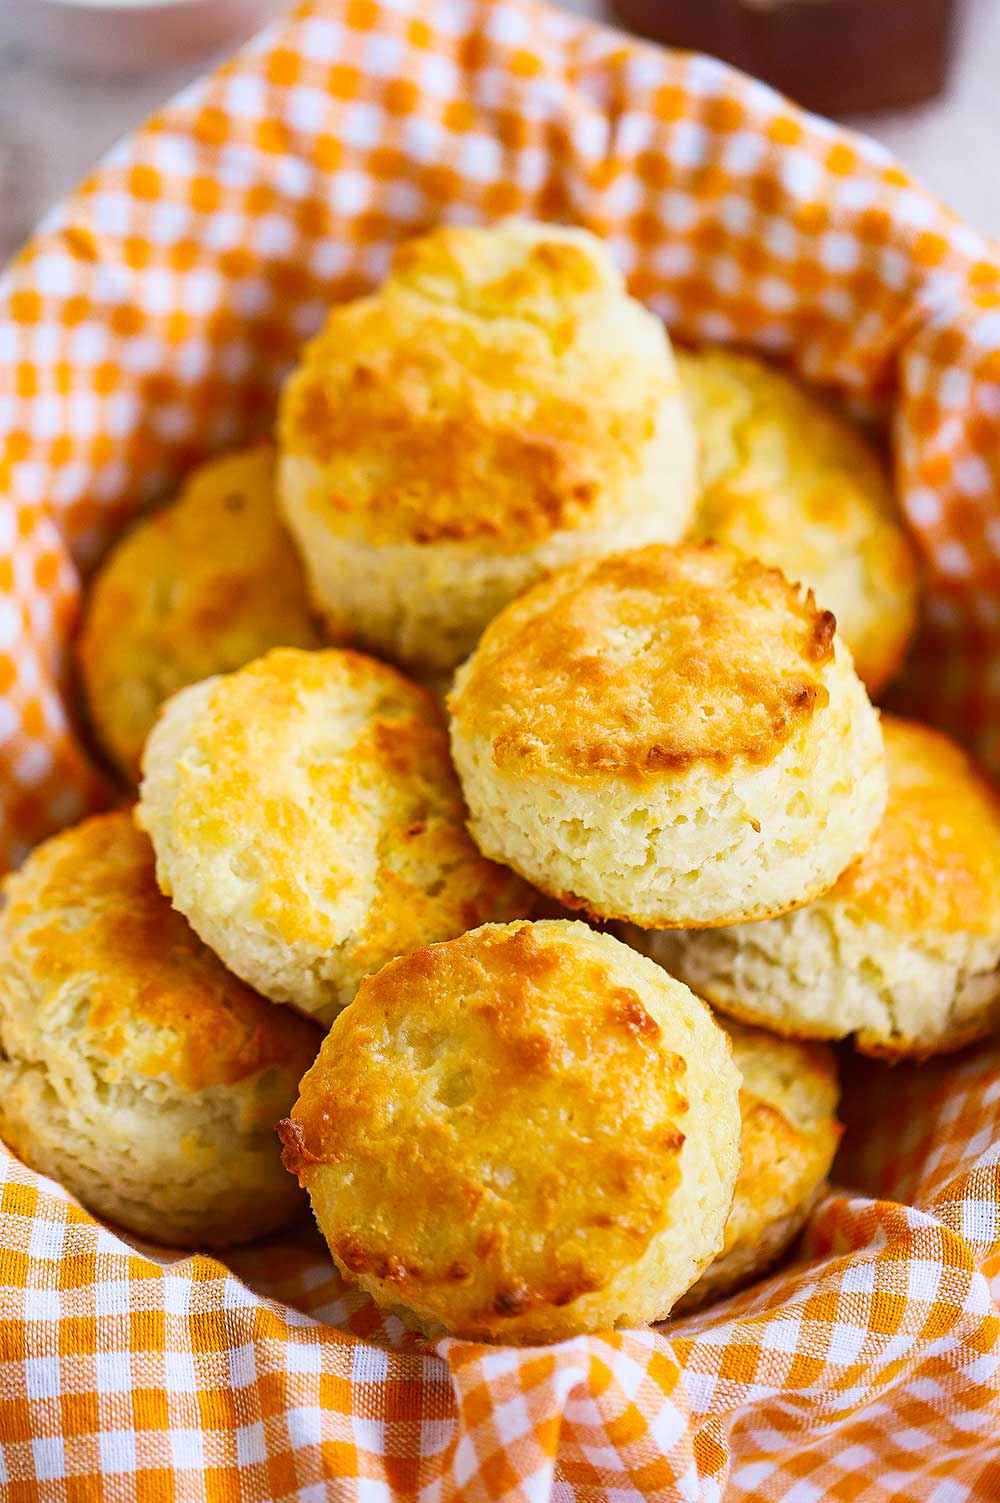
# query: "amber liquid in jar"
x,y
835,56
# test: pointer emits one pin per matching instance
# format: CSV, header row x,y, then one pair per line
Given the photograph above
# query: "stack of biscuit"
x,y
320,919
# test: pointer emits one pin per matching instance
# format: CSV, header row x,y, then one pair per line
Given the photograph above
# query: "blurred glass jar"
x,y
835,56
137,36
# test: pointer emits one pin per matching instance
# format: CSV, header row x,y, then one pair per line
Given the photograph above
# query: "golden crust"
x,y
539,271
645,663
320,781
470,398
787,479
257,720
84,918
201,587
901,952
493,1129
934,863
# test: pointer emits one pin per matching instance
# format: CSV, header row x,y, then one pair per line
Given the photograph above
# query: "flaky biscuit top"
x,y
787,478
200,587
325,779
495,1123
498,388
646,663
86,927
934,863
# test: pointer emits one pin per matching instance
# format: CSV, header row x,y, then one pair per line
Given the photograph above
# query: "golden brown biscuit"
x,y
903,952
523,1134
309,825
788,480
201,587
670,735
499,407
788,1139
136,1070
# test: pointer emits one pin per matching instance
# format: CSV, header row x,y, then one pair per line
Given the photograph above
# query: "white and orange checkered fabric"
x,y
148,323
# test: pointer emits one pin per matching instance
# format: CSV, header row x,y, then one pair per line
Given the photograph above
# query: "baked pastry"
x,y
788,480
788,1139
308,823
522,1134
499,406
136,1070
671,736
903,952
201,587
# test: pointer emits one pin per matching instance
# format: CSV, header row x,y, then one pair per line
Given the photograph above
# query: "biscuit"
x,y
136,1070
498,407
523,1134
789,1136
308,823
903,952
670,736
788,480
201,587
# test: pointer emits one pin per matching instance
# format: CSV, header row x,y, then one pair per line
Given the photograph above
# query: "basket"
x,y
149,323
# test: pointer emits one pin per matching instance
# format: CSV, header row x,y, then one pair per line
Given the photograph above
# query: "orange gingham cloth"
x,y
149,323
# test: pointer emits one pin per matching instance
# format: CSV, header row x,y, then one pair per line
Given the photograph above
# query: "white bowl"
x,y
137,36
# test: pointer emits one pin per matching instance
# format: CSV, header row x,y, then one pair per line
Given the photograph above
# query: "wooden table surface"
x,y
54,127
